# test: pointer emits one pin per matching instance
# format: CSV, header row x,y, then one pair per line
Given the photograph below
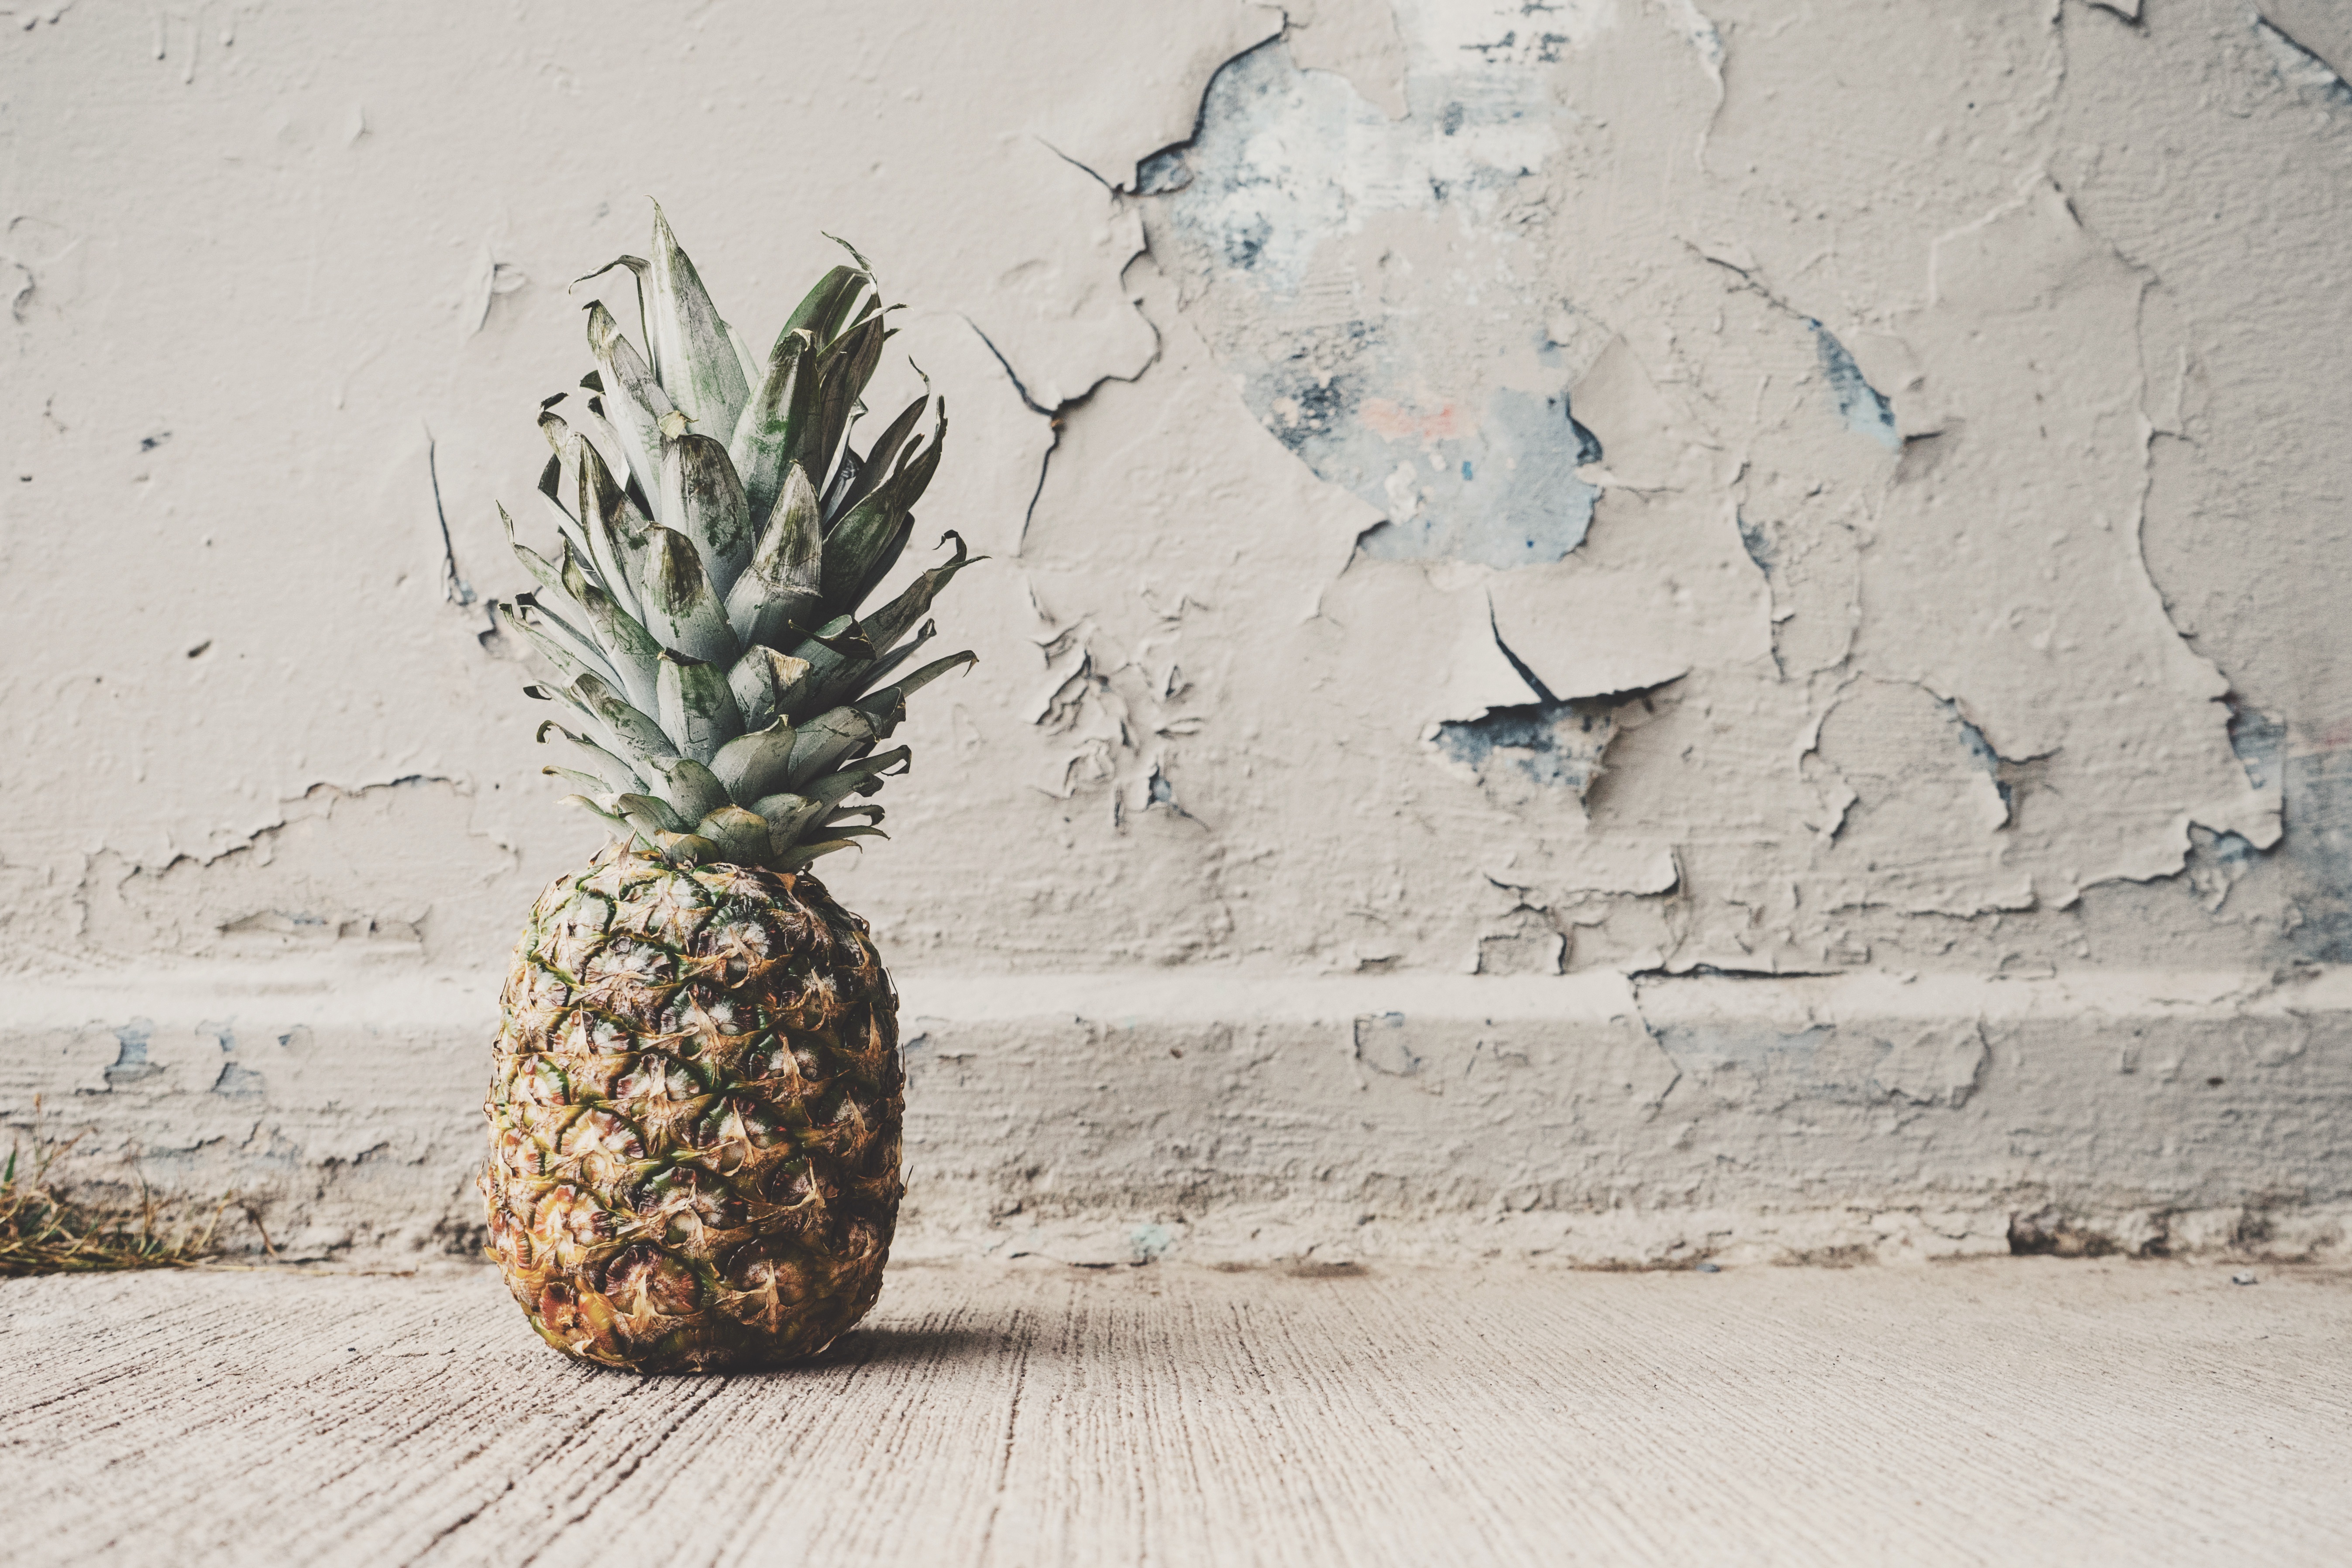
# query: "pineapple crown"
x,y
702,604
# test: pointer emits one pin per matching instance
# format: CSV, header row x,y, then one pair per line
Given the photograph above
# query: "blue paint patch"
x,y
1530,509
2259,742
1151,1242
1556,744
1981,753
237,1082
1283,161
130,1063
2317,790
1864,408
1761,547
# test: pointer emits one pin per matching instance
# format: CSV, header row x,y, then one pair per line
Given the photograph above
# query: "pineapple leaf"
x,y
875,465
843,370
684,849
805,853
743,838
628,646
690,787
698,711
586,781
790,813
579,573
890,622
565,649
615,529
824,739
834,653
622,828
617,457
639,267
786,815
781,590
745,359
764,439
845,480
751,765
549,576
862,550
650,813
703,500
889,663
766,684
598,435
886,707
635,402
693,356
823,308
613,772
863,547
531,600
632,727
681,610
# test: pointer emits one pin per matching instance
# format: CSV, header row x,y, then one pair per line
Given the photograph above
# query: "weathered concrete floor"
x,y
2012,1411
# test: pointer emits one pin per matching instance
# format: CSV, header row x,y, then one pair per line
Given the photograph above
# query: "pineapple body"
x,y
694,1116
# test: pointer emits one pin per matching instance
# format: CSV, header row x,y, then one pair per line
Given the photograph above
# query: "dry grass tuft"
x,y
43,1231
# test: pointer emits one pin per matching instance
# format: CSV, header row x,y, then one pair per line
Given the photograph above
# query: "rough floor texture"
x,y
2019,1412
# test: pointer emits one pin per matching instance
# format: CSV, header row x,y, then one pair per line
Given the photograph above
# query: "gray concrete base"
x,y
2015,1412
1254,1119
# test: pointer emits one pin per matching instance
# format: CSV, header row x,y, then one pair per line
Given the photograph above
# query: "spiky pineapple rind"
x,y
695,1117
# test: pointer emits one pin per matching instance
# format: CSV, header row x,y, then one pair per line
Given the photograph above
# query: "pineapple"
x,y
696,1100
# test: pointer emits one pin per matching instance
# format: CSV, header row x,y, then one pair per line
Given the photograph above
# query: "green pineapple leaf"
x,y
633,401
614,772
702,500
693,356
825,738
764,440
766,684
782,589
696,710
751,765
690,787
681,610
650,814
570,656
742,837
634,730
615,529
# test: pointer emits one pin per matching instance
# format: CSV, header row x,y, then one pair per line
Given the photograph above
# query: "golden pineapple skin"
x,y
695,1117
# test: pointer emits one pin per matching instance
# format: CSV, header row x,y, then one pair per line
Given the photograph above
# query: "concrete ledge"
x,y
1244,1117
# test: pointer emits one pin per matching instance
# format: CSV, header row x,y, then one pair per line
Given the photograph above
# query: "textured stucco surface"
x,y
1627,630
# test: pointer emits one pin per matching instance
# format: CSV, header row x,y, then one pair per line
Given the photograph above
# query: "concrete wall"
x,y
1622,630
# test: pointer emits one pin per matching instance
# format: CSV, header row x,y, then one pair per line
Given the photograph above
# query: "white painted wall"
x,y
1622,630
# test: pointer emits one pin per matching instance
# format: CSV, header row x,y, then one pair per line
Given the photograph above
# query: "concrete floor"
x,y
2020,1411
